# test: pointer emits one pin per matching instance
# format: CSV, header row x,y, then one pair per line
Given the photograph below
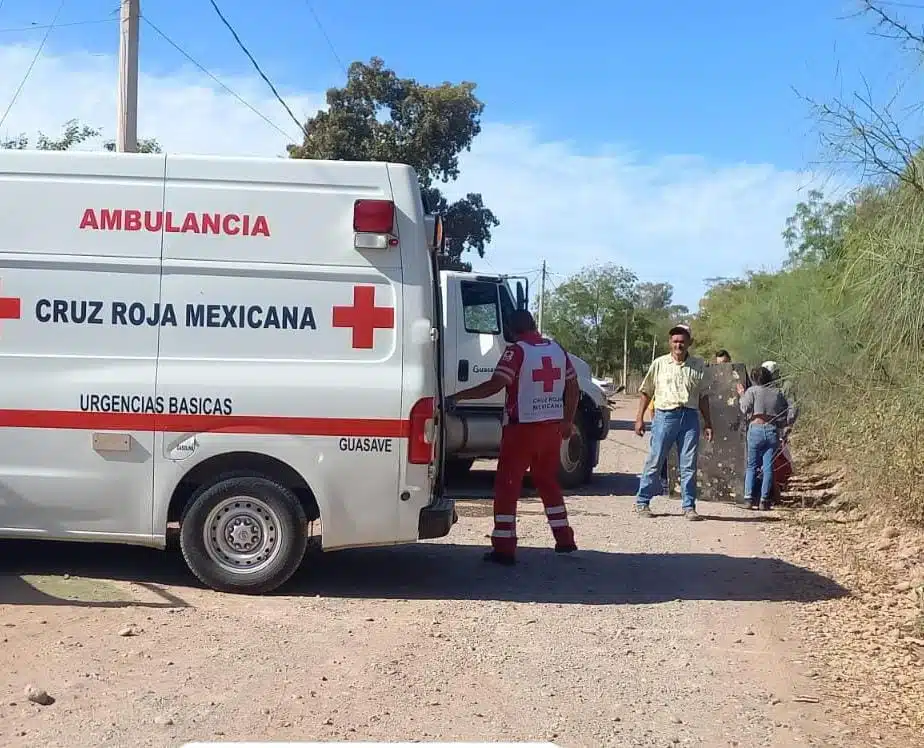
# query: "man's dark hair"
x,y
722,353
760,376
521,321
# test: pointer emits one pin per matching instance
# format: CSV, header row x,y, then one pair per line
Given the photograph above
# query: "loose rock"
x,y
38,696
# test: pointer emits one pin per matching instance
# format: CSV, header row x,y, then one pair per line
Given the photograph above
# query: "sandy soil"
x,y
657,633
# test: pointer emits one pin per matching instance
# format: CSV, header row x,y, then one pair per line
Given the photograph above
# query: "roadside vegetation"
x,y
845,316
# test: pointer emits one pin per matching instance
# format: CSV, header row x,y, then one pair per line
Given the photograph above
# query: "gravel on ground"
x,y
658,632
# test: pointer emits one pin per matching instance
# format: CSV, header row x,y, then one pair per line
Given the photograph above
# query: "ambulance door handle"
x,y
463,369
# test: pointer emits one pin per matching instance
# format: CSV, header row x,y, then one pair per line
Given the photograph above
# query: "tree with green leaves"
x,y
815,231
589,314
378,116
73,134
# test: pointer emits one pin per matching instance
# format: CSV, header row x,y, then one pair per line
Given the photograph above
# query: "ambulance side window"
x,y
480,308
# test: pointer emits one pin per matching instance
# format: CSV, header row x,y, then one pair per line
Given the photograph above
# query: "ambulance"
x,y
243,347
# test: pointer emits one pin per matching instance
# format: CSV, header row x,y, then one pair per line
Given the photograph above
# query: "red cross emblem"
x,y
10,307
547,374
364,317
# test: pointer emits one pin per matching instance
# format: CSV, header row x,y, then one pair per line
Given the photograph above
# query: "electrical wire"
x,y
330,44
37,27
38,52
211,75
246,51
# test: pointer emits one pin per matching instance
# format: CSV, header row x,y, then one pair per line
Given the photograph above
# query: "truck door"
x,y
479,337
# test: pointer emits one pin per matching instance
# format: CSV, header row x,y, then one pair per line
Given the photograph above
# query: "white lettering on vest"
x,y
541,384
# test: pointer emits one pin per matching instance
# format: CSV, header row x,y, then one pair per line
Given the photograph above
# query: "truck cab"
x,y
476,314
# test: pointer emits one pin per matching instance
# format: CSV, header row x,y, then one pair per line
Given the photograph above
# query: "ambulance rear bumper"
x,y
437,519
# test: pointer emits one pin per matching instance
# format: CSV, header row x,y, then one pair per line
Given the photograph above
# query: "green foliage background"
x,y
845,319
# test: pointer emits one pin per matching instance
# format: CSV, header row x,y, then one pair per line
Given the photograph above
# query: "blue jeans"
x,y
762,443
668,428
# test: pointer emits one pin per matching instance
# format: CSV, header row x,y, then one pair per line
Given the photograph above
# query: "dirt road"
x,y
659,632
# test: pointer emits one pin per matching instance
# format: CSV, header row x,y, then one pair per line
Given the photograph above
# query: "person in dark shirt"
x,y
770,416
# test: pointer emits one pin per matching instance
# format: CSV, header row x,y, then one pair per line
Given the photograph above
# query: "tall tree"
x,y
657,312
815,232
378,116
588,312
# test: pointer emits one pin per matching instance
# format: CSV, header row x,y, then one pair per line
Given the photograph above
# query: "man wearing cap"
x,y
675,381
541,402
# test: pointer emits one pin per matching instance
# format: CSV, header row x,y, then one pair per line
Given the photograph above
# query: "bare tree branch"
x,y
891,28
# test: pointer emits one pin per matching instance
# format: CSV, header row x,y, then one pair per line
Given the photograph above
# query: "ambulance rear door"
x,y
422,398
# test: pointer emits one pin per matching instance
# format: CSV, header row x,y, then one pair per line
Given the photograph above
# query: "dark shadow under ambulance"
x,y
447,571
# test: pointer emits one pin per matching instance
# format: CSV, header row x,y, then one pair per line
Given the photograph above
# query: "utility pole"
x,y
654,342
127,108
625,353
541,296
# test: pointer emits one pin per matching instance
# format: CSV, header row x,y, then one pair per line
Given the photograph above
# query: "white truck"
x,y
476,310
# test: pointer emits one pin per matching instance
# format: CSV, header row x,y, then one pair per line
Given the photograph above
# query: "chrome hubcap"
x,y
241,534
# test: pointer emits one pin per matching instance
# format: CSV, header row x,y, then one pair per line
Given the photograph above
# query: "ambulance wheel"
x,y
576,457
243,534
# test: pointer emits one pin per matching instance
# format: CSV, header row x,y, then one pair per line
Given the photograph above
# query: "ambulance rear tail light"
x,y
420,450
374,224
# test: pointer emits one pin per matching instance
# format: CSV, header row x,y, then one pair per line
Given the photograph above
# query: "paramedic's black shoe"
x,y
765,506
504,559
565,547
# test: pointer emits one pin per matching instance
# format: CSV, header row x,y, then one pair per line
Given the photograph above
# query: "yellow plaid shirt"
x,y
674,384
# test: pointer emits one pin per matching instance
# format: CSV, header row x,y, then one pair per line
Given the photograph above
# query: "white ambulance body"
x,y
244,346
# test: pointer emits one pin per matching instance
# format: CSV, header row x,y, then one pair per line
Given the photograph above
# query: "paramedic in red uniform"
x,y
541,400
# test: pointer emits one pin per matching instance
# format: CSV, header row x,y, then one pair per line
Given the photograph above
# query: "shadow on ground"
x,y
478,483
622,424
445,571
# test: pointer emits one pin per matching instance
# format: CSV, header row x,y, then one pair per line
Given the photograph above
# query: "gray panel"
x,y
721,464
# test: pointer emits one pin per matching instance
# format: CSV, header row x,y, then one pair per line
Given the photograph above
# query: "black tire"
x,y
457,467
260,506
576,457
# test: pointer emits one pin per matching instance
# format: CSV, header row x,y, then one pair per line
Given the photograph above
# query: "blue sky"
x,y
622,113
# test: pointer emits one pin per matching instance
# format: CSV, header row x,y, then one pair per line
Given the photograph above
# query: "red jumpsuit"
x,y
533,370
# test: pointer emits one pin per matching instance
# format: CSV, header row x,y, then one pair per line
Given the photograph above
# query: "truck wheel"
x,y
243,534
576,457
457,468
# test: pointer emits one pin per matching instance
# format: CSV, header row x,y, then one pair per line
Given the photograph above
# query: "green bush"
x,y
848,331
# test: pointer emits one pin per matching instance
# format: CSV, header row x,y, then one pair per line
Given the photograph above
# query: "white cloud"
x,y
672,217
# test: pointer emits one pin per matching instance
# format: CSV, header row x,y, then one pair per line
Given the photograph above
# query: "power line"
x,y
317,20
211,75
269,83
38,52
38,27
